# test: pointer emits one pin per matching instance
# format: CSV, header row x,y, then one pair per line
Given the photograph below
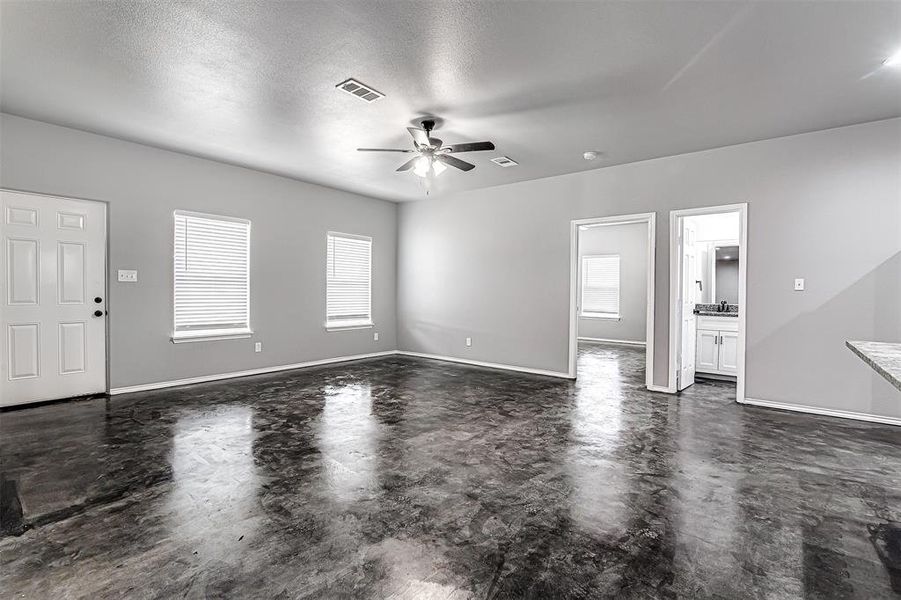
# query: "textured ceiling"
x,y
252,83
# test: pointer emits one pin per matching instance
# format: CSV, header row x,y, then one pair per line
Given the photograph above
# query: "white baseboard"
x,y
204,378
488,365
660,388
829,412
592,340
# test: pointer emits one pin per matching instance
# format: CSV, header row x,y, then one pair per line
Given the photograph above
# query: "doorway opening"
x,y
612,285
708,276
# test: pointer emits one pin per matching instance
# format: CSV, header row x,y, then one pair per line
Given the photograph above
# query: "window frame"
x,y
605,316
349,324
212,334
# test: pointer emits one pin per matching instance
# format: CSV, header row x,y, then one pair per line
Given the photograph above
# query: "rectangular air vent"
x,y
360,90
504,161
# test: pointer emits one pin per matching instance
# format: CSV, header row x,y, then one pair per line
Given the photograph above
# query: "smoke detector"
x,y
590,155
360,90
504,161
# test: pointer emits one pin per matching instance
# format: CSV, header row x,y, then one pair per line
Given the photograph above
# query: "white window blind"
x,y
348,279
600,286
212,276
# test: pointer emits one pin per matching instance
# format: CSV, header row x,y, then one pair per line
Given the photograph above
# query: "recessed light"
x,y
590,155
894,60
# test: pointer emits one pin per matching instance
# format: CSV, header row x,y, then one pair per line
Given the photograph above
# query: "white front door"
x,y
54,298
687,283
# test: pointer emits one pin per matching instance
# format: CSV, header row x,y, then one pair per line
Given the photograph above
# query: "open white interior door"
x,y
685,362
53,290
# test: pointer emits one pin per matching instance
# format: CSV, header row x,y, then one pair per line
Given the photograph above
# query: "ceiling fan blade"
x,y
382,150
471,147
435,143
407,165
419,136
455,162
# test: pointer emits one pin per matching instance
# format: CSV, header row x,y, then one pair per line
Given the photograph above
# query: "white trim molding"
x,y
488,365
574,266
676,217
261,371
828,412
593,340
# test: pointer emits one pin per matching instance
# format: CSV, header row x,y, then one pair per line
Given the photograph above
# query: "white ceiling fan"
x,y
432,156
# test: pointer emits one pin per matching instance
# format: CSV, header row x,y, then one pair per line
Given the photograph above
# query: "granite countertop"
x,y
884,357
710,310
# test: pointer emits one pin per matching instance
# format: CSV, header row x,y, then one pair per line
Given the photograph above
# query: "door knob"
x,y
98,313
98,300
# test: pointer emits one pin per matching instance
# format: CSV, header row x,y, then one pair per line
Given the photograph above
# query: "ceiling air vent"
x,y
504,161
360,90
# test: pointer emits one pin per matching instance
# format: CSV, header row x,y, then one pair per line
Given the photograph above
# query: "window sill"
x,y
600,316
210,335
348,325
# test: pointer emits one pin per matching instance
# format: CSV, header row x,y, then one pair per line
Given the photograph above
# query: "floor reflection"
x,y
348,437
598,501
214,479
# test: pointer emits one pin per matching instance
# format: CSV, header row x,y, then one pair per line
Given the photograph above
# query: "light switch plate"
x,y
375,336
258,347
799,285
468,342
129,276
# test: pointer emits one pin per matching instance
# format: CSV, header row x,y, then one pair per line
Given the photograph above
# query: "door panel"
x,y
728,359
687,277
24,350
70,259
72,351
707,358
22,271
21,216
54,259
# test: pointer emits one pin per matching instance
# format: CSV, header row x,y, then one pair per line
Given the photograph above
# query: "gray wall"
x,y
727,281
630,242
144,185
494,263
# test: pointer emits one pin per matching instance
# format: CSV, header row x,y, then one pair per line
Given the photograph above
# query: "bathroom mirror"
x,y
717,270
725,285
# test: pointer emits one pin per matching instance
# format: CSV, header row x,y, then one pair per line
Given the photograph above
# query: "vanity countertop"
x,y
710,310
883,357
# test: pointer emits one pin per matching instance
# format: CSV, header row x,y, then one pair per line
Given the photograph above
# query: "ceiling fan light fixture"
x,y
431,156
422,167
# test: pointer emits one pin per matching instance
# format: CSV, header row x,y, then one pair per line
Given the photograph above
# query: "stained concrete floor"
x,y
407,478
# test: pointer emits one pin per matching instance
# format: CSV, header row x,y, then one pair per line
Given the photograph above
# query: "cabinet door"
x,y
728,359
708,351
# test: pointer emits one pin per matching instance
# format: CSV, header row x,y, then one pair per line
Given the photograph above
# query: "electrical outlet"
x,y
375,336
799,285
258,347
129,276
469,342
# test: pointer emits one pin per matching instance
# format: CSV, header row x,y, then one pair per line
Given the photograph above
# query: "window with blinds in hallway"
x,y
348,281
600,286
212,277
